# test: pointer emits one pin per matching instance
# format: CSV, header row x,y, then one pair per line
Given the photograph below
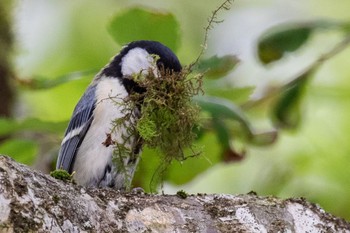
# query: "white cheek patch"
x,y
138,61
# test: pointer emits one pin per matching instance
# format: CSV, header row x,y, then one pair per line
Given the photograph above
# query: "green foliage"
x,y
287,109
216,67
141,24
221,108
224,135
220,111
273,45
277,41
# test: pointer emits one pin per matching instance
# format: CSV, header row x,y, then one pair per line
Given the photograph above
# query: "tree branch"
x,y
31,201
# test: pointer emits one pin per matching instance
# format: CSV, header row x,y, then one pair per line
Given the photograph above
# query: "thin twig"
x,y
212,19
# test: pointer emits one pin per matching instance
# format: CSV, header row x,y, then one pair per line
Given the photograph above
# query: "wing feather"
x,y
77,128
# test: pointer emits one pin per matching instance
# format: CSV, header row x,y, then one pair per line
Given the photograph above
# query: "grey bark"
x,y
34,202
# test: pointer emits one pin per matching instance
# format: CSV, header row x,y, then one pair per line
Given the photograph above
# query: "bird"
x,y
87,147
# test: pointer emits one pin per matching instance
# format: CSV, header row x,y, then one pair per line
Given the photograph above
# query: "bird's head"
x,y
138,58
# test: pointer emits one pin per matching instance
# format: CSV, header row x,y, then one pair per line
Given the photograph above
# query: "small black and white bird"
x,y
83,149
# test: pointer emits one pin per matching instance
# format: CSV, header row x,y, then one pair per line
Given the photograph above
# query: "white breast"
x,y
93,155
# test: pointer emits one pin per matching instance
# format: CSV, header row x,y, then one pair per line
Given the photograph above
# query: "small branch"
x,y
212,19
335,50
339,47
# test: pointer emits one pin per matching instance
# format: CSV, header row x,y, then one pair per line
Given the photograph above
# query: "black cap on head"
x,y
167,59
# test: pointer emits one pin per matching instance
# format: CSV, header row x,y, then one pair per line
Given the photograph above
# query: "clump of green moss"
x,y
168,114
182,194
61,174
162,117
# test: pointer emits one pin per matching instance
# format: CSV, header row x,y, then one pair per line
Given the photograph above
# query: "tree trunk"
x,y
6,73
34,202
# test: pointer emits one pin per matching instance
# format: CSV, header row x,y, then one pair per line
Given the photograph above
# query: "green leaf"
x,y
8,126
224,137
222,133
140,24
287,112
222,108
277,41
216,67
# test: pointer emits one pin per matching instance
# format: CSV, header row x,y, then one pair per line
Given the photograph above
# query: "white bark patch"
x,y
302,216
149,218
69,227
111,210
4,208
245,217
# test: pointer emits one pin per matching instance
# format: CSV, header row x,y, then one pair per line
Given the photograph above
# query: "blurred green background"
x,y
310,158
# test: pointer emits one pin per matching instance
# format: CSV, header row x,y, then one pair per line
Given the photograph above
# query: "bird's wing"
x,y
76,131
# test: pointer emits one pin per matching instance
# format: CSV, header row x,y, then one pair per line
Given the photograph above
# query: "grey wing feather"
x,y
82,118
